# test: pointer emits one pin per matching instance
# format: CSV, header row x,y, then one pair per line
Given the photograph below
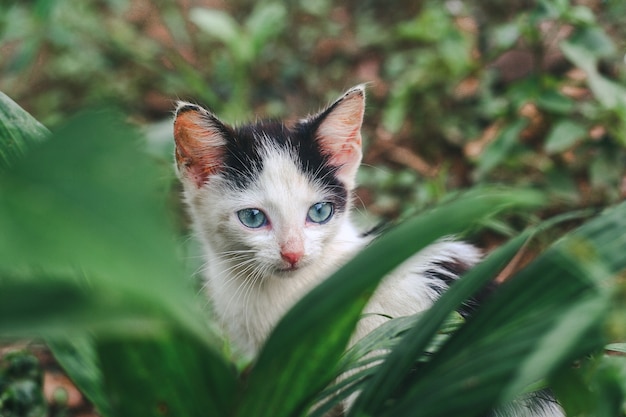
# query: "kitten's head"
x,y
269,197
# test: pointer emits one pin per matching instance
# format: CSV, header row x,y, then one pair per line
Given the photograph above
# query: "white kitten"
x,y
271,204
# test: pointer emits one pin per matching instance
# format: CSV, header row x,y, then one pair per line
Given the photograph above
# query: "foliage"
x,y
133,337
462,94
21,381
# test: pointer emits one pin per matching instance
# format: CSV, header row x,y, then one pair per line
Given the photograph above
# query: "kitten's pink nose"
x,y
292,257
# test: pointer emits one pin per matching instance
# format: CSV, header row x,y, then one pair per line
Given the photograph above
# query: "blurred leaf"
x,y
395,112
609,93
554,101
500,148
593,39
506,35
266,21
564,135
87,200
77,356
595,386
44,305
216,23
580,56
300,355
616,347
19,131
430,25
21,386
171,374
581,15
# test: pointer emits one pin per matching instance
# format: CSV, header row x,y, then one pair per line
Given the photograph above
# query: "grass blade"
x,y
19,131
549,314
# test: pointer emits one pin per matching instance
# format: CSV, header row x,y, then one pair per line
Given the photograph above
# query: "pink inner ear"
x,y
199,146
339,133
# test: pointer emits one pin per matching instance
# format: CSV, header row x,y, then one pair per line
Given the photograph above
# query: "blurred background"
x,y
461,93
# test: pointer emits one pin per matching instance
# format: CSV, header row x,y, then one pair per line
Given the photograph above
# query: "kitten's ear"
x,y
339,133
200,143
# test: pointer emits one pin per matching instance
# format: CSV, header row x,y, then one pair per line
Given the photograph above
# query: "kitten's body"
x,y
271,204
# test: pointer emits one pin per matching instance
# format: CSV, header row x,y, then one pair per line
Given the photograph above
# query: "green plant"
x,y
21,381
89,260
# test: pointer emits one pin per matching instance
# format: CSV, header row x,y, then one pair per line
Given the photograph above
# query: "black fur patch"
x,y
449,272
246,145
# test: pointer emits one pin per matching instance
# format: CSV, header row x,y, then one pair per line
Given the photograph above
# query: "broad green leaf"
x,y
86,204
216,23
266,21
19,131
79,359
554,101
593,39
57,307
580,56
171,374
563,136
549,314
401,360
301,353
596,386
500,148
616,347
609,93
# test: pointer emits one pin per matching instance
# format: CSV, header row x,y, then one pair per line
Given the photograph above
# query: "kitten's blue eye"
x,y
320,213
252,218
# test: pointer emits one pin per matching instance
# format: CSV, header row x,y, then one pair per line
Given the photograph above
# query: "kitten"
x,y
271,204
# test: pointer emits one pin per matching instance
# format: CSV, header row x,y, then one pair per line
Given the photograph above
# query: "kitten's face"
x,y
269,199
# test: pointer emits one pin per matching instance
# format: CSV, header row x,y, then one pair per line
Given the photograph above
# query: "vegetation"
x,y
524,104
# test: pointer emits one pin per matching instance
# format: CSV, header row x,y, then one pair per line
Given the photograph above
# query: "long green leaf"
x,y
401,360
19,131
550,313
87,204
172,374
79,359
301,353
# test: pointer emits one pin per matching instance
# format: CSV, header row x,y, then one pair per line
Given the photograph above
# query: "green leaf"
x,y
300,355
594,40
172,374
19,131
609,93
548,314
393,370
500,148
80,361
616,347
555,102
216,23
47,306
564,135
85,205
266,21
